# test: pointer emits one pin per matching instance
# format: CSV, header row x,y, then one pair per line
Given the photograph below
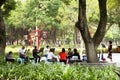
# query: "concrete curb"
x,y
99,64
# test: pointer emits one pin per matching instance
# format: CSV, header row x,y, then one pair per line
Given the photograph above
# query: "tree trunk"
x,y
91,44
91,52
2,35
81,46
75,38
119,27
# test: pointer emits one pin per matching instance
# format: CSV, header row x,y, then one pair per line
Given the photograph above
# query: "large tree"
x,y
2,30
5,7
92,43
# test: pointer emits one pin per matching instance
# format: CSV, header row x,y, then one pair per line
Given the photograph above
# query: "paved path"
x,y
116,58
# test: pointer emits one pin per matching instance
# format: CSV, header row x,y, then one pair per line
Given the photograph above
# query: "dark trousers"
x,y
37,57
23,56
10,60
26,59
63,61
52,60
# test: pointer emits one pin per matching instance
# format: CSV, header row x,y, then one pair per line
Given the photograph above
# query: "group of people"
x,y
63,56
49,54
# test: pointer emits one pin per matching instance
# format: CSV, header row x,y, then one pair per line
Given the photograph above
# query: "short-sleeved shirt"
x,y
46,51
62,55
21,51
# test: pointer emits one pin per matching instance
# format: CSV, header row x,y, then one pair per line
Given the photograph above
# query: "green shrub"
x,y
55,71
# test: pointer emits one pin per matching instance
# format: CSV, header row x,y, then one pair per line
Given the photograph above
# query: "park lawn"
x,y
13,48
56,71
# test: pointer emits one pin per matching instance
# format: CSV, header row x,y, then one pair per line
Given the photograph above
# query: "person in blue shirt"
x,y
9,58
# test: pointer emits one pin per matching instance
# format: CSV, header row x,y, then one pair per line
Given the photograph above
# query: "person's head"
x,y
35,47
110,42
47,46
10,52
75,50
23,47
51,50
63,49
69,49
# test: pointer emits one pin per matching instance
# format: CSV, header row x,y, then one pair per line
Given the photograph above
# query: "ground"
x,y
116,58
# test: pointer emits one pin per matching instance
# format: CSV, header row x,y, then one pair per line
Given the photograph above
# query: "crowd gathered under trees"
x,y
49,55
59,19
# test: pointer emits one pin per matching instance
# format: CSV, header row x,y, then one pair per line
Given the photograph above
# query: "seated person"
x,y
51,57
35,54
84,58
63,56
22,54
46,51
70,53
76,56
9,58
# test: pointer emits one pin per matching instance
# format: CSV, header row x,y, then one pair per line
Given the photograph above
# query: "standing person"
x,y
9,58
110,50
63,56
51,57
35,54
22,54
46,51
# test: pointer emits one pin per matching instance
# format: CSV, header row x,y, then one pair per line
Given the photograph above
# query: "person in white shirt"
x,y
46,51
51,57
22,54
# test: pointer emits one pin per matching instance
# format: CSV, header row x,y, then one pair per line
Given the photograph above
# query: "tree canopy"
x,y
58,18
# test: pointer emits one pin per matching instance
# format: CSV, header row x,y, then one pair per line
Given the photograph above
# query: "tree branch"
x,y
101,30
109,26
82,21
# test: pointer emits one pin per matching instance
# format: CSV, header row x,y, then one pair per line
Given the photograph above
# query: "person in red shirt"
x,y
62,56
